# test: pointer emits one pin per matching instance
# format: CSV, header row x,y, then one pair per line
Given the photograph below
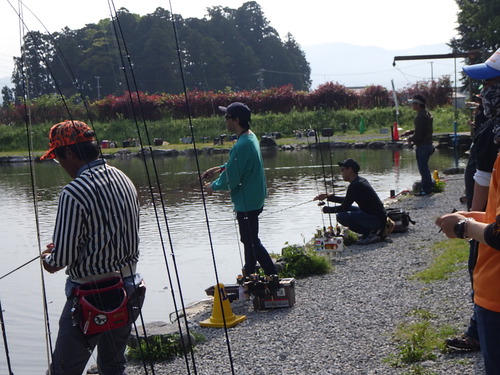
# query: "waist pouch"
x,y
101,306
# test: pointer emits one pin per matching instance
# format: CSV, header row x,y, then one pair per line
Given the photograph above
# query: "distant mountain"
x,y
355,66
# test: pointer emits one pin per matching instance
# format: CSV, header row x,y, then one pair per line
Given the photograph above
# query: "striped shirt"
x,y
97,223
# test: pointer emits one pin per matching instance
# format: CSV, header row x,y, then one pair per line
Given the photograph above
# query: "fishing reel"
x,y
259,286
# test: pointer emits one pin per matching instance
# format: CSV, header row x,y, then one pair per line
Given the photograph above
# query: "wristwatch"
x,y
460,227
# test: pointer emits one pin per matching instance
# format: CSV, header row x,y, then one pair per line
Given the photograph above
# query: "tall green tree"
x,y
37,53
7,96
235,49
478,25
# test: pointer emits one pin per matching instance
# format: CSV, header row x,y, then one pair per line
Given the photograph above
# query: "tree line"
x,y
234,49
155,107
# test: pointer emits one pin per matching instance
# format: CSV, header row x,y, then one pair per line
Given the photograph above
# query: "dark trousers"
x,y
488,323
248,223
73,349
423,153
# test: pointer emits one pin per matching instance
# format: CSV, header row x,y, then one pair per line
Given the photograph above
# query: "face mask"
x,y
491,100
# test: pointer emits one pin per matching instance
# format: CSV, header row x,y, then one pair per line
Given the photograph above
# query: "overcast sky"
x,y
390,24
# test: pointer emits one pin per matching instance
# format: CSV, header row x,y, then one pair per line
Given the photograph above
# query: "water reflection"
x,y
201,239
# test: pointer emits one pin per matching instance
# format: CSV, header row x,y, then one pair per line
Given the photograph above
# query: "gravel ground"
x,y
342,323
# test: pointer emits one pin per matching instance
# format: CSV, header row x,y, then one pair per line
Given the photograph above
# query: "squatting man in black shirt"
x,y
369,217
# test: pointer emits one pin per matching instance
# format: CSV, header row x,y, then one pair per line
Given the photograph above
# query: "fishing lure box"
x,y
228,288
283,296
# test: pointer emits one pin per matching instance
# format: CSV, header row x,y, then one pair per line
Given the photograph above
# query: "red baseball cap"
x,y
67,133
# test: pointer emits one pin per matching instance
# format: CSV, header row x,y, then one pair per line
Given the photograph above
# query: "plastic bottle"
x,y
435,175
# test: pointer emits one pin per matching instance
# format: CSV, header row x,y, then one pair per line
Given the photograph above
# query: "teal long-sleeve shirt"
x,y
243,175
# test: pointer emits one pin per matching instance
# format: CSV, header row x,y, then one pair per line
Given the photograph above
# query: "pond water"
x,y
202,241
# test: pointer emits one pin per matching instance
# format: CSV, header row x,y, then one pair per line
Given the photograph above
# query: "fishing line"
x,y
32,174
29,133
315,177
5,344
21,266
228,344
324,172
118,31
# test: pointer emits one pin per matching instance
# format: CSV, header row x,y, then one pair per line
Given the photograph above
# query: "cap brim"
x,y
48,155
223,109
480,71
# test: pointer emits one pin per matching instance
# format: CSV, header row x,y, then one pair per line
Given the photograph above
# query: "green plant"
x,y
351,238
451,255
438,186
419,341
160,348
303,261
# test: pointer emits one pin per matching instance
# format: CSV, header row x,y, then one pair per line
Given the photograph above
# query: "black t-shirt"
x,y
484,149
361,192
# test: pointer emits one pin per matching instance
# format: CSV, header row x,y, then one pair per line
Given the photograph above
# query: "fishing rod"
x,y
4,335
135,97
191,128
21,266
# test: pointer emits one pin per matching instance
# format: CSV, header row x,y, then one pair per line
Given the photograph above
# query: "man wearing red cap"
x,y
484,227
96,238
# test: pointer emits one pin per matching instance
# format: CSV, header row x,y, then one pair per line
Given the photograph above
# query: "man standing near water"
x,y
96,237
421,137
243,175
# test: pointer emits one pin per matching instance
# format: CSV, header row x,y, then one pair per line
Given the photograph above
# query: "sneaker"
x,y
389,227
422,194
465,343
368,239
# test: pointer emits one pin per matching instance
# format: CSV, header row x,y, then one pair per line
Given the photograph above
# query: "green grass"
x,y
13,138
450,255
419,340
160,348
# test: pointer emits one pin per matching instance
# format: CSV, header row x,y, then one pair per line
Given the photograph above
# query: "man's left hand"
x,y
208,188
447,223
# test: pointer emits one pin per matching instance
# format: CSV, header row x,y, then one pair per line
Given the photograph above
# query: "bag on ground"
x,y
401,218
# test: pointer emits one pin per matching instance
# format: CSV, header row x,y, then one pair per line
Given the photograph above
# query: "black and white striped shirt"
x,y
97,224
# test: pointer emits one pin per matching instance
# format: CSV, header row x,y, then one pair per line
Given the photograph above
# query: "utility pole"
x,y
98,88
261,78
432,70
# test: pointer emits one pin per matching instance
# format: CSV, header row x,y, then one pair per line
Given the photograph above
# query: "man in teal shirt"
x,y
243,175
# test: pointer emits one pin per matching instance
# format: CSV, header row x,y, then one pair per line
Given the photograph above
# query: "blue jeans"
x,y
73,349
248,223
423,153
359,221
488,323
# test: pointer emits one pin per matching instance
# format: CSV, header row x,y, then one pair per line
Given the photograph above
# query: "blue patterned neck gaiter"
x,y
491,100
491,103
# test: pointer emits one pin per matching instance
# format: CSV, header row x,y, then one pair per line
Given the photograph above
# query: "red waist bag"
x,y
101,306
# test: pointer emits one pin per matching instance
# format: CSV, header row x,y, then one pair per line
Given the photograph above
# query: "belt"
x,y
124,272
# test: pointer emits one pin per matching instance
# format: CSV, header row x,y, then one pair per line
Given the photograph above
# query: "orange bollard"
x,y
395,132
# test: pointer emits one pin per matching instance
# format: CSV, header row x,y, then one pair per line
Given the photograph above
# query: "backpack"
x,y
401,218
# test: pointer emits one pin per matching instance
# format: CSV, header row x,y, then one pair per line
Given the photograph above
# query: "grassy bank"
x,y
13,139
